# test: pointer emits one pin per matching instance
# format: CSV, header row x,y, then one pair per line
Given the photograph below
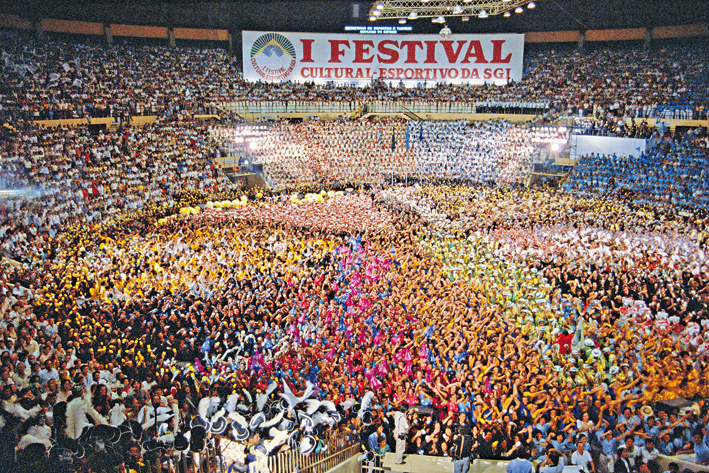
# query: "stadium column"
x,y
171,37
582,40
648,38
108,33
39,31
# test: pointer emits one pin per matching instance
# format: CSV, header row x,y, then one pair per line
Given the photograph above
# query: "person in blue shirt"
x,y
538,444
608,447
382,448
665,445
652,428
373,444
373,439
554,462
543,426
560,442
520,465
701,447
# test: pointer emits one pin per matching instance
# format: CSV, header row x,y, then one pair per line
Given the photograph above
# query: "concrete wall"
x,y
353,465
135,121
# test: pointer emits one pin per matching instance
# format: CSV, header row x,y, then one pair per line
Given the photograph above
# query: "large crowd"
x,y
45,80
365,153
673,172
150,311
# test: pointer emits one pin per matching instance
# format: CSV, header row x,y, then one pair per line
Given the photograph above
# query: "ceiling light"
x,y
507,1
467,1
457,9
372,18
402,21
483,14
439,19
413,15
376,12
465,18
518,10
379,6
424,1
507,14
531,5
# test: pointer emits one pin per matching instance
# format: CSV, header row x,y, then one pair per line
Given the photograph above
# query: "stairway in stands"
x,y
410,115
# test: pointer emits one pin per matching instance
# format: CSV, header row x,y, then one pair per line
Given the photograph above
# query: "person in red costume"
x,y
564,341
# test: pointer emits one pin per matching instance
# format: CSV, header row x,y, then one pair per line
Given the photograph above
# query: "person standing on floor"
x,y
401,431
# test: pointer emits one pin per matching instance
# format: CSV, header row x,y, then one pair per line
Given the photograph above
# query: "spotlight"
x,y
402,21
413,15
439,19
507,14
518,10
531,5
379,6
372,18
457,9
376,12
467,1
483,14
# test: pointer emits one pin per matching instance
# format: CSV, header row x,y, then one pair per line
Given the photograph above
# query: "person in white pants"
x,y
401,430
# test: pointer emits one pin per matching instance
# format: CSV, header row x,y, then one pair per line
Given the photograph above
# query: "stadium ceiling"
x,y
442,9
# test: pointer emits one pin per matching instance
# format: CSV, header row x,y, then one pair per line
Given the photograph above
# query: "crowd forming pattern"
x,y
466,299
344,153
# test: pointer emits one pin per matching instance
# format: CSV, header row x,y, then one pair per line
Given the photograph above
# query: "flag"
x,y
407,139
380,137
393,140
420,131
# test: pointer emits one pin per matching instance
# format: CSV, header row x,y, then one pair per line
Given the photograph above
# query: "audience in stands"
x,y
672,173
45,80
142,297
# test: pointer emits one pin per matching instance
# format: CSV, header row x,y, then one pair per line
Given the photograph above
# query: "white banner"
x,y
583,145
359,59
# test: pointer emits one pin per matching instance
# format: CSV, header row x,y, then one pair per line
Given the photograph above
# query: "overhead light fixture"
x,y
465,18
413,15
531,5
519,10
377,12
402,21
372,18
507,1
483,14
379,6
507,14
445,33
457,9
467,1
439,19
424,1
